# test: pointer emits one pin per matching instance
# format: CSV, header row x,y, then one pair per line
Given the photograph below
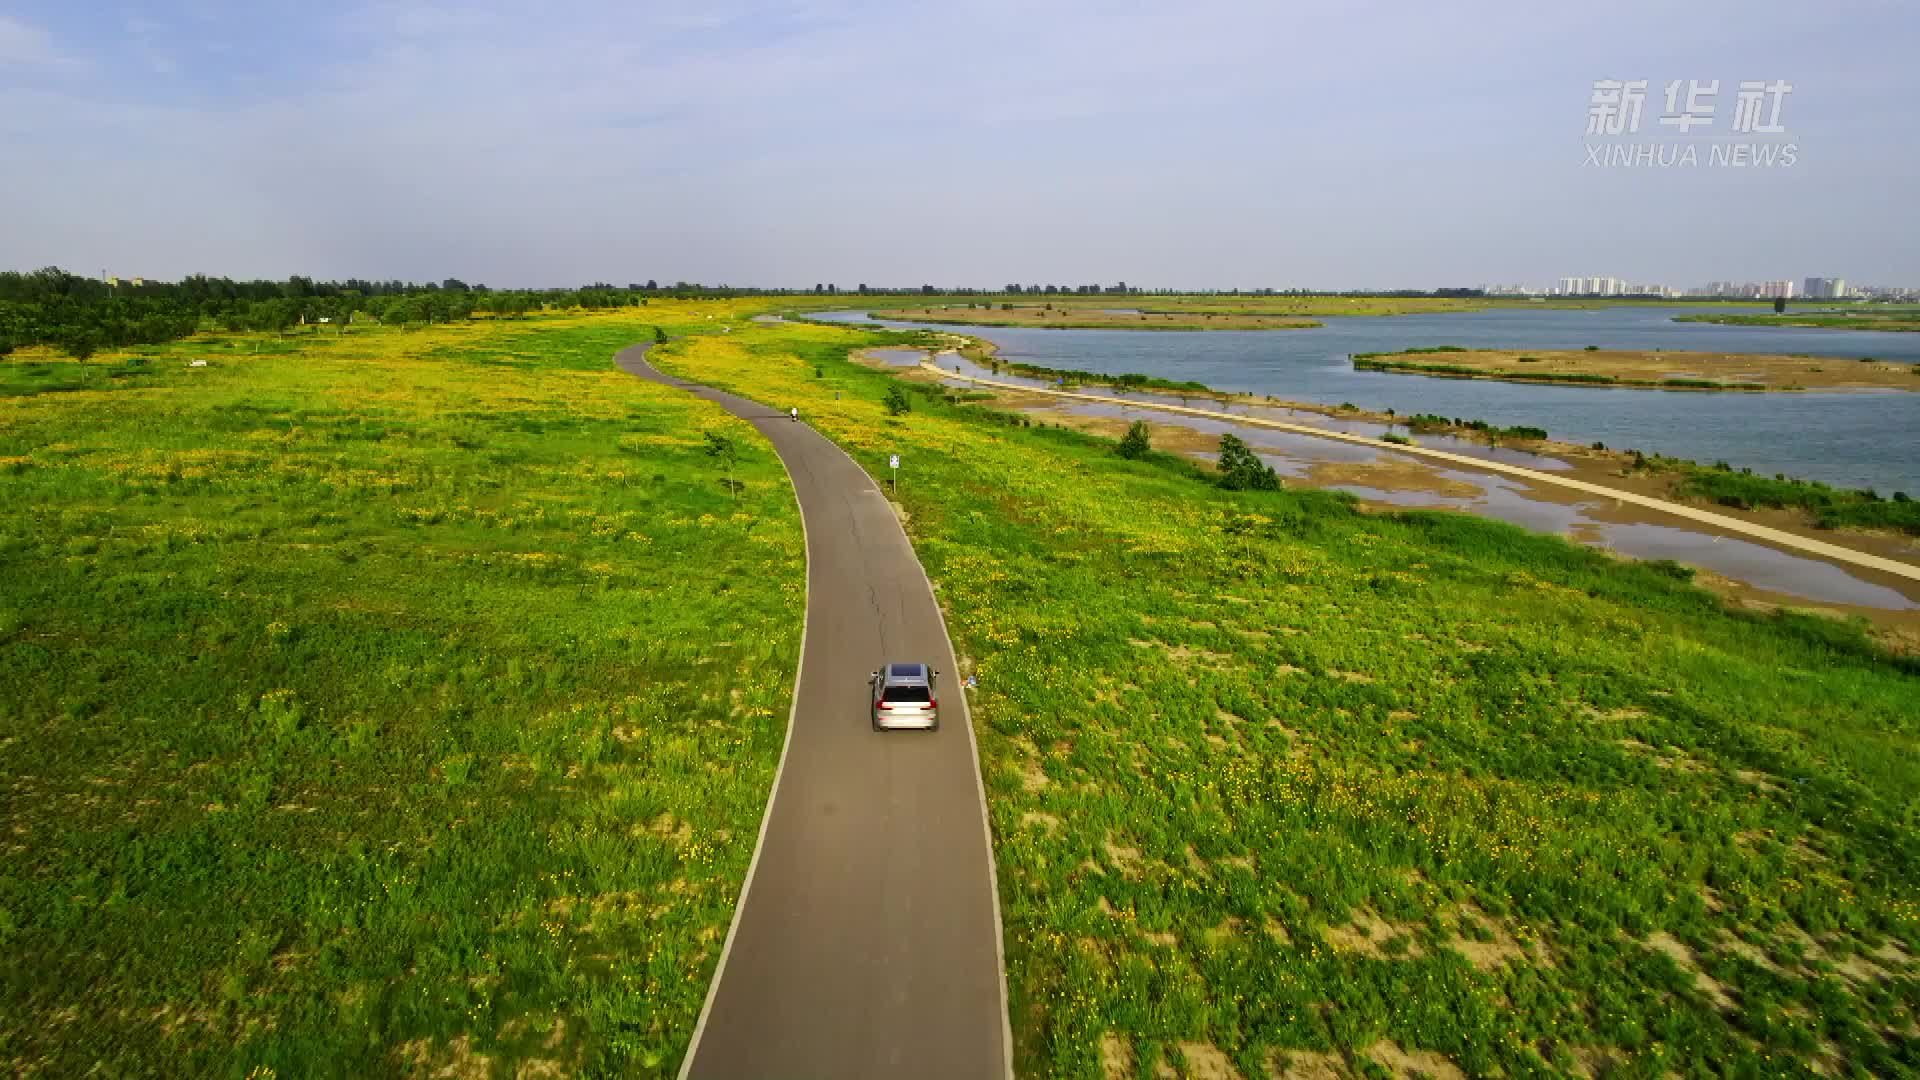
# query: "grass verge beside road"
x,y
401,701
1275,783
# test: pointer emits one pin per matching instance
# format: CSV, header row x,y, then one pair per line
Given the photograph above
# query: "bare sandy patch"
x,y
1116,1057
1182,654
1592,1061
1038,820
1032,776
1664,942
1401,1062
1758,779
1307,1065
1391,472
667,827
1216,936
1350,676
456,1061
1487,955
1366,934
1750,952
1613,716
1206,1061
1124,859
1670,758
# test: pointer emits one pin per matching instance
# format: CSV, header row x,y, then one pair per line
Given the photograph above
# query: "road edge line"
x,y
779,770
979,783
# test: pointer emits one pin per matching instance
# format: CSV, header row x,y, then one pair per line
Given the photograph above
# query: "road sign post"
x,y
893,463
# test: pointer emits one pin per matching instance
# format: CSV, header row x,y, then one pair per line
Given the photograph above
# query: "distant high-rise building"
x,y
1825,288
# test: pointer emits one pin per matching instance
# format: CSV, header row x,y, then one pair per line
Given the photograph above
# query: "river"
x,y
1852,439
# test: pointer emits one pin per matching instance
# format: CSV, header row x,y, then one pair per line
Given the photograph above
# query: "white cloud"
x,y
26,46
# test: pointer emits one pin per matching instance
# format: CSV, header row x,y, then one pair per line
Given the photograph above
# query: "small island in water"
x,y
1649,368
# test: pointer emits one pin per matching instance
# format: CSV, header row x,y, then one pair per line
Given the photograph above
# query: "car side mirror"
x,y
936,673
873,676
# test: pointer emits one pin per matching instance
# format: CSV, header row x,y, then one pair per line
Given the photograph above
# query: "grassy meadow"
x,y
1644,368
381,703
1282,788
1891,317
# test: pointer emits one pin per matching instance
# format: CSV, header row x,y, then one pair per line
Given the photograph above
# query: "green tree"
x,y
896,402
1242,470
659,336
1135,443
722,450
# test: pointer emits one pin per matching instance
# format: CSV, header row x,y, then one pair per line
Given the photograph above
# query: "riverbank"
x,y
1256,759
1897,319
1747,571
1649,369
1866,516
1085,317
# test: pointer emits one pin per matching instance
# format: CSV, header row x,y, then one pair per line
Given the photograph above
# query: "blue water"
x,y
1854,439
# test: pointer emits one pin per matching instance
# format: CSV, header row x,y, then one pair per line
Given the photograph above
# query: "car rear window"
x,y
906,694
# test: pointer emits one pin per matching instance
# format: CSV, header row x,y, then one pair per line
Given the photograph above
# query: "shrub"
x,y
659,336
896,402
1242,470
1135,444
1396,438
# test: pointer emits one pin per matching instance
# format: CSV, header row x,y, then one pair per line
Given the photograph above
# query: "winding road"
x,y
867,937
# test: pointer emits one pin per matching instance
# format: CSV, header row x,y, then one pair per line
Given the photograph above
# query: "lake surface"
x,y
1854,439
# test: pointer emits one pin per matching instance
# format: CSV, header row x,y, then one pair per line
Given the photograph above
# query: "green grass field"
x,y
1278,784
1892,317
401,702
407,701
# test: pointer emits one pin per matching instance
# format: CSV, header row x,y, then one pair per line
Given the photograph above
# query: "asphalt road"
x,y
867,942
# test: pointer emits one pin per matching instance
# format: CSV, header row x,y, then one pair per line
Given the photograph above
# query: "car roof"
x,y
906,671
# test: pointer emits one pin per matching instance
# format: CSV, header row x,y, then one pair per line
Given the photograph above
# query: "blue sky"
x,y
1201,144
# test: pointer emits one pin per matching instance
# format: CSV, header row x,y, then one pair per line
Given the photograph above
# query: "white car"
x,y
903,697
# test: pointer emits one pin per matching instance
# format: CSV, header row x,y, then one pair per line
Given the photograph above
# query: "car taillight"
x,y
884,705
932,704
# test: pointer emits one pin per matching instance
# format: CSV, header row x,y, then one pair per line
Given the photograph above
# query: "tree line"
x,y
83,315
